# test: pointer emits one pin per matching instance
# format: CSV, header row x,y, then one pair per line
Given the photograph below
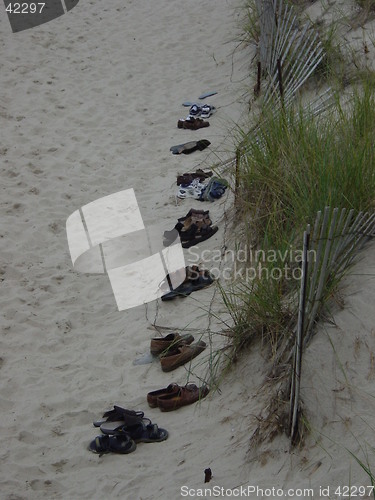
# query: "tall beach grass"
x,y
294,164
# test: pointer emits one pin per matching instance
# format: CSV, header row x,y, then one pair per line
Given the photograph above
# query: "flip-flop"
x,y
140,433
116,444
187,104
207,94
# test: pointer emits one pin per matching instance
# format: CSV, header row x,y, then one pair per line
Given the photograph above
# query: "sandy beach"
x,y
89,104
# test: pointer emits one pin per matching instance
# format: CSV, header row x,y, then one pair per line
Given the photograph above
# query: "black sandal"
x,y
196,279
140,433
117,444
130,417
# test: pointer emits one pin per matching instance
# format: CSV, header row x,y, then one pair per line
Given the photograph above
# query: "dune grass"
x,y
293,165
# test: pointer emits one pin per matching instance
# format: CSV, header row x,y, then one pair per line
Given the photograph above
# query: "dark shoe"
x,y
192,123
185,396
196,235
174,359
190,147
129,417
198,218
188,177
141,433
174,340
152,397
116,444
195,280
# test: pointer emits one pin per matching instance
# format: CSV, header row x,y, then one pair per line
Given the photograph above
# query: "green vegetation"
x,y
292,166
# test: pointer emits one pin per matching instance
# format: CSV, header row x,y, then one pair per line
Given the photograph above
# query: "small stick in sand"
x,y
207,475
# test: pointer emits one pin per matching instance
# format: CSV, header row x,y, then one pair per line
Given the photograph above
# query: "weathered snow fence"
x,y
337,237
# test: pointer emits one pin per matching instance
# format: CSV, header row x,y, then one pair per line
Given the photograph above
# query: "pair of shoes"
x,y
161,345
205,111
121,436
192,123
187,178
196,279
178,357
175,396
190,147
192,190
183,227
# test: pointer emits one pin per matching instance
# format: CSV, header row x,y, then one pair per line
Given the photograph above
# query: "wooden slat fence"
x,y
283,44
337,237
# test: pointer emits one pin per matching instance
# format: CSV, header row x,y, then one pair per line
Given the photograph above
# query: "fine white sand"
x,y
89,105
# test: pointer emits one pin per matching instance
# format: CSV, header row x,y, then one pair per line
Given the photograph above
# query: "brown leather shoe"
x,y
185,396
192,123
173,340
180,356
152,397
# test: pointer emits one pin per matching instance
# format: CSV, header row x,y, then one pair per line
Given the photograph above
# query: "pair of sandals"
x,y
122,429
192,229
204,111
196,279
